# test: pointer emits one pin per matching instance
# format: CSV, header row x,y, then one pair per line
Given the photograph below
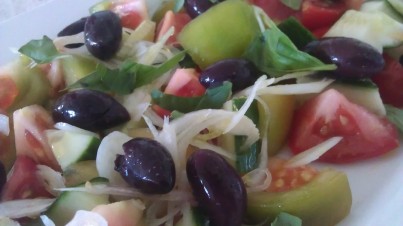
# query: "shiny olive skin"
x,y
218,189
146,166
103,34
89,109
241,73
197,7
3,176
354,59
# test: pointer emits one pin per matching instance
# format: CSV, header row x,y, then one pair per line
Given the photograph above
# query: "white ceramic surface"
x,y
377,184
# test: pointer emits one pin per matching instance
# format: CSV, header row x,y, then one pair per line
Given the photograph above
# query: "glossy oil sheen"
x,y
89,109
218,189
146,166
197,7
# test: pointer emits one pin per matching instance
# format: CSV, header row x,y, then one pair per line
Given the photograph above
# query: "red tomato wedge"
x,y
24,183
275,9
330,114
286,179
184,83
131,12
30,124
8,92
317,14
175,20
390,82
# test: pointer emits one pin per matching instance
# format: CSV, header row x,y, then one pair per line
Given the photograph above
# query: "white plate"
x,y
377,184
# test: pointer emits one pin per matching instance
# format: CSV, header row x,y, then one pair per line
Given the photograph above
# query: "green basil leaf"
x,y
285,219
41,50
293,4
395,116
275,54
178,5
214,98
129,76
297,33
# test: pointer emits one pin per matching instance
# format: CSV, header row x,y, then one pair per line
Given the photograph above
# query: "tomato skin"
x,y
8,92
330,114
24,183
184,83
390,82
177,20
131,12
275,9
317,14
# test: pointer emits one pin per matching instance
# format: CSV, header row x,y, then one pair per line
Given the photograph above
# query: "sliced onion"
x,y
70,128
205,145
293,89
52,179
152,213
257,180
4,124
84,217
137,103
5,221
313,153
24,207
47,221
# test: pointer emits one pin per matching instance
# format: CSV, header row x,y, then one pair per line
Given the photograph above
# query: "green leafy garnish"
x,y
285,219
293,4
275,54
297,33
214,98
127,77
178,5
395,116
41,50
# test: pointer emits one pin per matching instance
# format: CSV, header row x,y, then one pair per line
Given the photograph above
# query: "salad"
x,y
177,113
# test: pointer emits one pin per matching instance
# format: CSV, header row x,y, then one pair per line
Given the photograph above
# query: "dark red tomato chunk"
x,y
316,14
390,82
275,9
24,182
286,179
175,20
330,114
184,83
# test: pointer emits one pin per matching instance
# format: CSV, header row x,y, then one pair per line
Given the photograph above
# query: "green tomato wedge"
x,y
224,31
324,201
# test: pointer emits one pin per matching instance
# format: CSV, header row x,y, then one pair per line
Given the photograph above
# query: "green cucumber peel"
x,y
213,98
129,76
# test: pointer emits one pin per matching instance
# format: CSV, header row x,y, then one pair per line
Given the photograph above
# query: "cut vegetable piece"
x,y
397,5
382,6
71,147
281,111
76,68
127,212
211,36
80,172
322,202
84,217
69,202
374,28
193,217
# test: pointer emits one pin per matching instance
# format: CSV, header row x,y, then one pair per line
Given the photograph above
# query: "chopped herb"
x,y
395,116
293,4
41,50
297,33
275,54
129,76
214,98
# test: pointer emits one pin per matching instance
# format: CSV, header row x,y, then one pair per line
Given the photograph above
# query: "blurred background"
x,y
10,8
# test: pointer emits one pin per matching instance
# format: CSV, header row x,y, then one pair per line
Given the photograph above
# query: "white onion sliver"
x,y
293,89
205,145
24,207
84,217
5,221
4,125
313,153
257,180
52,178
47,221
70,128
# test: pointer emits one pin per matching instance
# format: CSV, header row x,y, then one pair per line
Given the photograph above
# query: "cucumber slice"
x,y
382,6
70,147
80,172
374,28
75,68
69,202
397,5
